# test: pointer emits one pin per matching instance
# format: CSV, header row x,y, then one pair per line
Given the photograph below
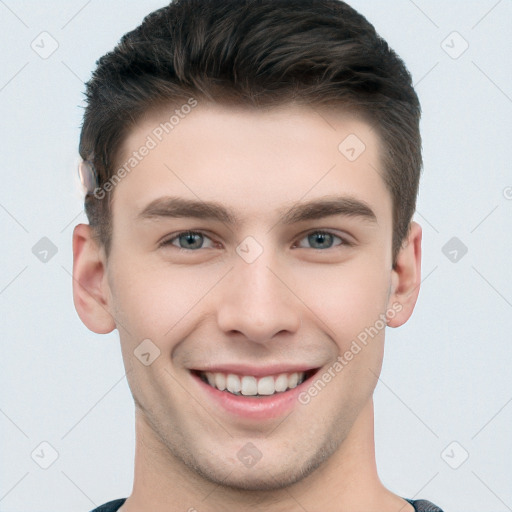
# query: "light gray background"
x,y
446,373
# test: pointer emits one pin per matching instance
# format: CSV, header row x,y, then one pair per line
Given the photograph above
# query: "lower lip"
x,y
255,408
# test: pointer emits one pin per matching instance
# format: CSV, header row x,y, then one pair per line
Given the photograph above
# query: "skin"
x,y
293,304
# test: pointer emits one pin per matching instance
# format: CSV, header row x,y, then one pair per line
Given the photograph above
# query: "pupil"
x,y
320,238
189,237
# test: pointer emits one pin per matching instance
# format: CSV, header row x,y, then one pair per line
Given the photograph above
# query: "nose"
x,y
257,301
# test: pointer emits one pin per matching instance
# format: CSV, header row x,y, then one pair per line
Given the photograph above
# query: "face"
x,y
250,288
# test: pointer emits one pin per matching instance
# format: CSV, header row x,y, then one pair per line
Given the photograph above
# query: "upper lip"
x,y
256,371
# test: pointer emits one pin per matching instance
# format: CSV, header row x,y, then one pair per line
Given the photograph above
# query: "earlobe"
x,y
90,287
406,278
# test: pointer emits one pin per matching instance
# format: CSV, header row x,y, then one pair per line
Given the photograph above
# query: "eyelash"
x,y
344,241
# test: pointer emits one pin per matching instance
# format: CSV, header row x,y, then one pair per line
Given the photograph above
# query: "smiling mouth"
x,y
253,387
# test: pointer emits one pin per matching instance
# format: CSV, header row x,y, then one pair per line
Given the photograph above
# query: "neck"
x,y
347,481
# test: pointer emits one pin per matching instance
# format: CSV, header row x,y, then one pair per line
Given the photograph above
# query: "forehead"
x,y
253,161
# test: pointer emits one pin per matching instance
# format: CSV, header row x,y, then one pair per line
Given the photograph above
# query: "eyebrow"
x,y
178,207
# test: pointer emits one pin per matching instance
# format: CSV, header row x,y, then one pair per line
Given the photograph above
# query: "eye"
x,y
322,240
187,240
192,240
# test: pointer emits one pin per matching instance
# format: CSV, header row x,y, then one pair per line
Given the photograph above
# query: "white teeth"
x,y
220,381
248,385
233,383
281,382
266,386
293,380
211,378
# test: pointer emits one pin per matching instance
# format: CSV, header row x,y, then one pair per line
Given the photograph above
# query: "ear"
x,y
406,278
90,285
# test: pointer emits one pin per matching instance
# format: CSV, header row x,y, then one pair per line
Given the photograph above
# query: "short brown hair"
x,y
260,54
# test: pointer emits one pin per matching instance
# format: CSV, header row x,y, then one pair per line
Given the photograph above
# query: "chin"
x,y
253,480
271,476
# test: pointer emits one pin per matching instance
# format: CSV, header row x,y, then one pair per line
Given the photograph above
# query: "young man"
x,y
252,170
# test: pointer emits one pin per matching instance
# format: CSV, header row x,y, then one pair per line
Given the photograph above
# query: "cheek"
x,y
348,298
153,301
